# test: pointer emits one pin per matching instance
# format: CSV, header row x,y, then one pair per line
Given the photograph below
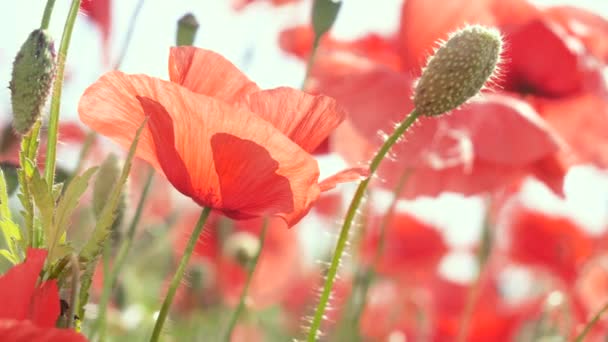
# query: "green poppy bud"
x,y
186,30
458,70
32,78
324,13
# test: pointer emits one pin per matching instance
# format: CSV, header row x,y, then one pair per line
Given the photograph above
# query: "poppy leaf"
x,y
94,246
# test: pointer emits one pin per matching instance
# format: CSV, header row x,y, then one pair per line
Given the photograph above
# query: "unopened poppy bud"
x,y
324,13
458,70
32,78
200,276
107,177
242,247
186,30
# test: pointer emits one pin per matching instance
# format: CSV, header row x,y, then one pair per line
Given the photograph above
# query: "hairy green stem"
x,y
119,261
51,149
177,278
46,16
75,285
348,220
241,305
368,276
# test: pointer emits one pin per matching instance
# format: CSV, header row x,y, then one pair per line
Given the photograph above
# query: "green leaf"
x,y
5,212
10,176
12,237
94,246
9,256
69,201
45,203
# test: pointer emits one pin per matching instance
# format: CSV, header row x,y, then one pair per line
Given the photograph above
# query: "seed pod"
x,y
186,30
458,70
32,78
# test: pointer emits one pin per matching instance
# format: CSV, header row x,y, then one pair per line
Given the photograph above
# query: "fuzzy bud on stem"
x,y
458,70
32,78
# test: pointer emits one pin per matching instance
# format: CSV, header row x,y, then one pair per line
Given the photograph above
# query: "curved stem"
x,y
123,251
311,59
51,149
592,322
241,305
348,220
177,278
368,276
75,267
130,30
46,16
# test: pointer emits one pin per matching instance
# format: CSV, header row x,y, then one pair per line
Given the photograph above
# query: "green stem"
x,y
348,220
177,278
592,322
51,149
119,261
368,276
311,59
130,30
241,305
46,16
75,268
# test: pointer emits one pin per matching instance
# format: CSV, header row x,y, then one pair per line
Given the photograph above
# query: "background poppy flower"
x,y
218,138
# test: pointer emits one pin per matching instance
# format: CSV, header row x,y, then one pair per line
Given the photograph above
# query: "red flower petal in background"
x,y
100,13
553,243
492,318
422,24
411,248
589,27
526,69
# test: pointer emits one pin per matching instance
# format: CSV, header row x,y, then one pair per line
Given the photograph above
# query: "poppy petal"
x,y
26,331
306,119
18,285
227,157
110,107
206,72
44,306
345,176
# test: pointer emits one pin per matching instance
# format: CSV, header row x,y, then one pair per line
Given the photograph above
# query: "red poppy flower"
x,y
217,137
493,318
29,310
411,247
553,243
376,91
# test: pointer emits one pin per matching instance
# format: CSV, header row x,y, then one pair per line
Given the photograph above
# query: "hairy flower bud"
x,y
458,70
32,78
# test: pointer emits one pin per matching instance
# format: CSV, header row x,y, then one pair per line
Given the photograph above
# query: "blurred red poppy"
x,y
412,249
553,243
217,137
30,310
373,81
100,13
